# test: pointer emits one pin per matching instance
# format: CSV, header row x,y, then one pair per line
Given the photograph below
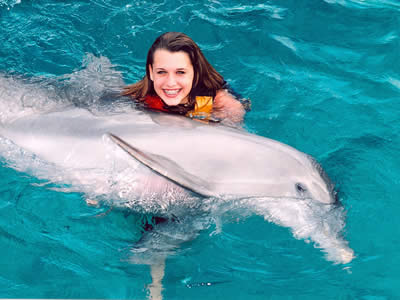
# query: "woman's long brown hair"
x,y
206,80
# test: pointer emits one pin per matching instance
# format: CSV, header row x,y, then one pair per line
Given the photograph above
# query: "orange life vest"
x,y
202,108
154,102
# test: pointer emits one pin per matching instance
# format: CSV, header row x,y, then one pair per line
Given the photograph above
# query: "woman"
x,y
180,80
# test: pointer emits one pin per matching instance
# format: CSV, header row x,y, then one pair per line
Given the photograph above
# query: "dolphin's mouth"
x,y
322,173
336,197
328,182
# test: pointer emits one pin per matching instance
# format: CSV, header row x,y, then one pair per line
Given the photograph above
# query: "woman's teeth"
x,y
171,92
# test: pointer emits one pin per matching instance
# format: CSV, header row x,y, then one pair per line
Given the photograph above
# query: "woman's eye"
x,y
161,72
180,72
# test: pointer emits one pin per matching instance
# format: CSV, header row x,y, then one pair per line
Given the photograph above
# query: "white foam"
x,y
308,220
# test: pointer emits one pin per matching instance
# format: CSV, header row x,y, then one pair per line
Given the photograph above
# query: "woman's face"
x,y
172,75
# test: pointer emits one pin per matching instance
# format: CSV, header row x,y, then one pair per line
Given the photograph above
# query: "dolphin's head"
x,y
316,185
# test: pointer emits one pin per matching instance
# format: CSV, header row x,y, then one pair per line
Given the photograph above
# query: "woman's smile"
x,y
172,93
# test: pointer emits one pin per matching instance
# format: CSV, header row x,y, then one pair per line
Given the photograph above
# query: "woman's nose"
x,y
171,80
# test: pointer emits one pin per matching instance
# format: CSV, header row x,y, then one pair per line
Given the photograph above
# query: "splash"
x,y
9,4
95,86
20,97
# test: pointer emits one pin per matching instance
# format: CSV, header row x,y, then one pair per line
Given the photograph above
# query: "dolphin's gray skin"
x,y
212,161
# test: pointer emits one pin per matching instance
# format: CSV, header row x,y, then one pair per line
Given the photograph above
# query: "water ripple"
x,y
286,41
244,11
362,4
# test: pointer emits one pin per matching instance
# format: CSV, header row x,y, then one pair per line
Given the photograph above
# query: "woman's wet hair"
x,y
206,81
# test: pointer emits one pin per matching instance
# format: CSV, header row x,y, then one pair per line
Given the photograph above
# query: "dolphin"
x,y
109,156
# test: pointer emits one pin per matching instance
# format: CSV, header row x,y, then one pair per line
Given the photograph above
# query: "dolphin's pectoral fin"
x,y
166,168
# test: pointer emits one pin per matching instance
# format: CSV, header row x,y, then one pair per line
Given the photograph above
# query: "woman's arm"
x,y
226,106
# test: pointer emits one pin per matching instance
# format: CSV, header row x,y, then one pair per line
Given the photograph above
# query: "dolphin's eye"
x,y
300,188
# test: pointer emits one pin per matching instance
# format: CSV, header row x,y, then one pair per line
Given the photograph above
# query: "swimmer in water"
x,y
180,80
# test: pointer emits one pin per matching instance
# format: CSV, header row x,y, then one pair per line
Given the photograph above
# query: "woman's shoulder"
x,y
224,98
226,106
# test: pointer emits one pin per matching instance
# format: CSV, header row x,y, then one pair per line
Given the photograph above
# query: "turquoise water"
x,y
323,76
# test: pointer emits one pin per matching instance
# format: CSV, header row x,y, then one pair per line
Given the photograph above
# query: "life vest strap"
x,y
203,107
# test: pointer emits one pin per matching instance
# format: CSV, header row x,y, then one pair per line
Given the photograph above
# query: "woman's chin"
x,y
172,101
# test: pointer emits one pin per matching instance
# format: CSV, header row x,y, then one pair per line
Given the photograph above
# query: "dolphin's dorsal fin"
x,y
166,168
